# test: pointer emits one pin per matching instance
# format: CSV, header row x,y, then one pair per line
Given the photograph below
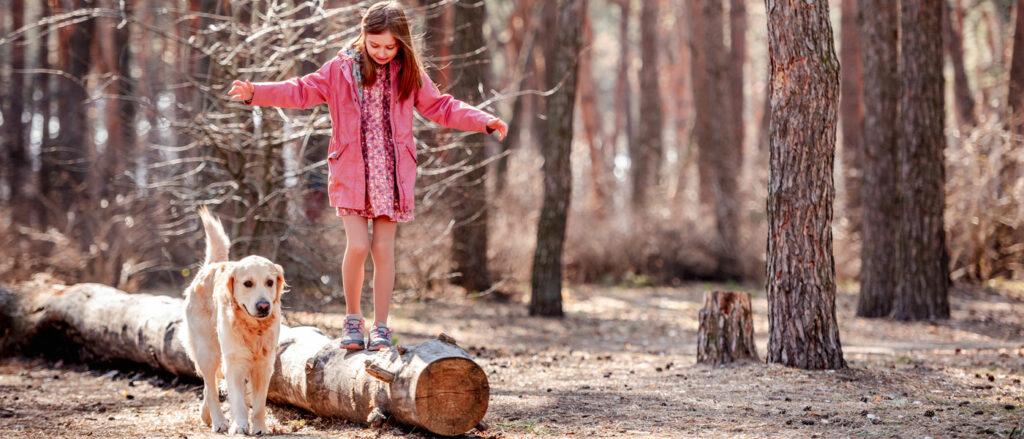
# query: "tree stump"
x,y
434,385
726,331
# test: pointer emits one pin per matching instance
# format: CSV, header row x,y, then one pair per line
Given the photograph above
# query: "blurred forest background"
x,y
115,127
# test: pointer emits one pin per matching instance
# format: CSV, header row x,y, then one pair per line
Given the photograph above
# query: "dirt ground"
x,y
621,364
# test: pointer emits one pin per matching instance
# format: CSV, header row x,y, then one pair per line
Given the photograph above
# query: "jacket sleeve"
x,y
300,92
447,111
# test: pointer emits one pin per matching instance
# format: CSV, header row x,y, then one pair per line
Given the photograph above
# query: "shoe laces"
x,y
353,324
382,332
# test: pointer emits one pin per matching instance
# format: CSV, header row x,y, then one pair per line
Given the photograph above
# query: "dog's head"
x,y
255,284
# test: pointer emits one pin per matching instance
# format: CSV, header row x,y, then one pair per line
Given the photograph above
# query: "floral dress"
x,y
379,153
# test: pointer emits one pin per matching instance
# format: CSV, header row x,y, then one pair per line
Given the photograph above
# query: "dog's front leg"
x,y
211,405
260,380
235,380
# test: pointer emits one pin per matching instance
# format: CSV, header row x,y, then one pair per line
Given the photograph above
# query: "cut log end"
x,y
726,331
452,396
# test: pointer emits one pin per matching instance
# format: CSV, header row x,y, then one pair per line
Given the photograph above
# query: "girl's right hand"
x,y
241,91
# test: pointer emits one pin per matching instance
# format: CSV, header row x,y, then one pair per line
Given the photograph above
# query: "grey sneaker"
x,y
380,338
353,337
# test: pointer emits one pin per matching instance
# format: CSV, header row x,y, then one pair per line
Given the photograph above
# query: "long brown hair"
x,y
390,16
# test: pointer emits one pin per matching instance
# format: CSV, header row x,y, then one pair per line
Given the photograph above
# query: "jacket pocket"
x,y
340,178
333,154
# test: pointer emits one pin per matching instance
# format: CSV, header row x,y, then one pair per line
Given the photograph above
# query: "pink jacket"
x,y
333,84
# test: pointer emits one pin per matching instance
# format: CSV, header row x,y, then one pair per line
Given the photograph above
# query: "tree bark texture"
x,y
804,109
556,146
433,385
879,188
922,286
726,331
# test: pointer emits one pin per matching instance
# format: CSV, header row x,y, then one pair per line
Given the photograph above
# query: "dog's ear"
x,y
227,278
281,285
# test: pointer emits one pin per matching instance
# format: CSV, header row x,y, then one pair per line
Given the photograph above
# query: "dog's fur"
x,y
223,327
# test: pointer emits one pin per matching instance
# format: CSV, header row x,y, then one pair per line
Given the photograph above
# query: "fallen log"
x,y
433,385
726,331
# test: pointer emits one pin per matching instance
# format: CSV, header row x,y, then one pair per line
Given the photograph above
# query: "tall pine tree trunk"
x,y
519,56
42,84
437,42
737,60
718,150
120,151
1009,174
72,151
17,160
852,110
591,121
438,22
804,103
5,89
645,155
623,126
469,235
879,191
682,100
922,287
546,278
952,25
1016,92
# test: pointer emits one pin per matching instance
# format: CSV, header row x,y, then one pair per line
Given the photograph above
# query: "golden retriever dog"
x,y
232,319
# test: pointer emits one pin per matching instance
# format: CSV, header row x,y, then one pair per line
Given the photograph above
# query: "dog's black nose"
x,y
263,308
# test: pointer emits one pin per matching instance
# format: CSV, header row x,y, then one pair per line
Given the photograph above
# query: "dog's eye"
x,y
270,282
248,284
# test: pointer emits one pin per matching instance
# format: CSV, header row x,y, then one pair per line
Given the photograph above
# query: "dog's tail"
x,y
217,242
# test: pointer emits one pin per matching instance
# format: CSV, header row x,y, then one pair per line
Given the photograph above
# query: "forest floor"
x,y
621,363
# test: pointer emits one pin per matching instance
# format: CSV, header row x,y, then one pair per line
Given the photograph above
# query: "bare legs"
x,y
357,247
383,249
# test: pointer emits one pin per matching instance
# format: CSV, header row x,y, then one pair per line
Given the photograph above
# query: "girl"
x,y
371,89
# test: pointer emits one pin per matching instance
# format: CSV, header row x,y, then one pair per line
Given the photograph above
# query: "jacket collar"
x,y
351,59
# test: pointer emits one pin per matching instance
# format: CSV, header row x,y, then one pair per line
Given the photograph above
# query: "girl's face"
x,y
382,47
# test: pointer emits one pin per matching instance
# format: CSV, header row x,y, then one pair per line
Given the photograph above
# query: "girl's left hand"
x,y
500,126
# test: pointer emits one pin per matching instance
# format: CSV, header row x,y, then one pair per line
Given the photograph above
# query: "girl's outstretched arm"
x,y
300,92
449,112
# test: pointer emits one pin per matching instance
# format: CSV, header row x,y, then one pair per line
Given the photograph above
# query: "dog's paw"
x,y
219,425
259,428
239,428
